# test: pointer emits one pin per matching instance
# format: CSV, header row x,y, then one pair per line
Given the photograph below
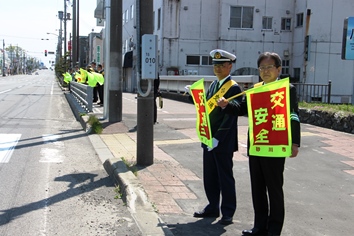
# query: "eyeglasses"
x,y
263,68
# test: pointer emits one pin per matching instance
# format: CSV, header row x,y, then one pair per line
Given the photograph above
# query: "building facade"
x,y
305,33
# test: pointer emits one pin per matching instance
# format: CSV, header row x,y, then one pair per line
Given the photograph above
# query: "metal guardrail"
x,y
314,92
305,92
83,93
176,84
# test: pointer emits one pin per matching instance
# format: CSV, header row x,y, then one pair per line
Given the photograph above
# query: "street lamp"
x,y
53,34
58,53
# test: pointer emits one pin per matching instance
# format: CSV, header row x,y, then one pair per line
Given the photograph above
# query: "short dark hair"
x,y
271,55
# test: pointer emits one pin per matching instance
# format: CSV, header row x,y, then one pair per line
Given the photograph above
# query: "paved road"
x,y
319,183
52,182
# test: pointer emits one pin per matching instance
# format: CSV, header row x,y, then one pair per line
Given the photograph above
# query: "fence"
x,y
314,92
306,92
83,94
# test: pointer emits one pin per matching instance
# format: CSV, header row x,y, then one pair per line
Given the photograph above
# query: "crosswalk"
x,y
51,151
7,144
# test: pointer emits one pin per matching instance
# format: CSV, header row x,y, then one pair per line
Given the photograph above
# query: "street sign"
x,y
50,52
348,39
149,57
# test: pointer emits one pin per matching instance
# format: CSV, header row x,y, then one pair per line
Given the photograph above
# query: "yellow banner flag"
x,y
203,123
83,75
269,119
67,77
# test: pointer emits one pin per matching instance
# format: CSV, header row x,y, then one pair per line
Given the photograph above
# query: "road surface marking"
x,y
8,143
51,90
52,153
5,91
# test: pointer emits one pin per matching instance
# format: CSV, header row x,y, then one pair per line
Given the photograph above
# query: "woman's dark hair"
x,y
271,55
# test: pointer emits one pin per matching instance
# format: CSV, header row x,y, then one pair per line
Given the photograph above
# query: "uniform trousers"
x,y
218,179
267,175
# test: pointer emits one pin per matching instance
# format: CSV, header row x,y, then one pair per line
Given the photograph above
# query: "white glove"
x,y
214,145
187,89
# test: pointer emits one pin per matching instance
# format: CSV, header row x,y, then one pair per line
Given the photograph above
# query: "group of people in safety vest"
x,y
92,75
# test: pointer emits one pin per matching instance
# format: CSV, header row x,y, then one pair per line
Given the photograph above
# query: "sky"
x,y
24,23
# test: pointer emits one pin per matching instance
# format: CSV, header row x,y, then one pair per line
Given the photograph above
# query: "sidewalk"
x,y
157,190
318,184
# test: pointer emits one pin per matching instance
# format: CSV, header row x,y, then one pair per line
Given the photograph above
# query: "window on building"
x,y
132,11
193,60
299,19
158,18
267,23
285,67
296,74
241,17
286,24
207,60
123,18
154,21
126,16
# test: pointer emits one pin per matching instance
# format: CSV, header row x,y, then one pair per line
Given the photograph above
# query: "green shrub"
x,y
96,126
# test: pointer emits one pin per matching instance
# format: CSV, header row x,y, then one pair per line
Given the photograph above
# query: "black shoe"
x,y
205,214
225,220
255,231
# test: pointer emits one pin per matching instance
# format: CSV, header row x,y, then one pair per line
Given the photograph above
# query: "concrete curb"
x,y
132,190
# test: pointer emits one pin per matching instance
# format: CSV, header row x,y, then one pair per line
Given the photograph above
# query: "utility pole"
x,y
3,57
114,64
65,18
145,126
73,41
60,15
77,30
307,43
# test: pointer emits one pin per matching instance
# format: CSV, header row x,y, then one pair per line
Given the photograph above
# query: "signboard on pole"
x,y
149,56
348,39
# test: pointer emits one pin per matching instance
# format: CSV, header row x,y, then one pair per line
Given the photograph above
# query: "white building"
x,y
189,29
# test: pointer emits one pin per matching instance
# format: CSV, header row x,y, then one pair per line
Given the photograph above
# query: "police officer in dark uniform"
x,y
217,161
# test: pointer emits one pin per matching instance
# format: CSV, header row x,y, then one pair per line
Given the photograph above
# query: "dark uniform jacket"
x,y
223,125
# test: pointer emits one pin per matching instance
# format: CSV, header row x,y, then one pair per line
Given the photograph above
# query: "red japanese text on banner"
x,y
269,120
202,123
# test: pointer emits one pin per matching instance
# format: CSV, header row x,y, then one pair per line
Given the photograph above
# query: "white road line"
x,y
5,91
46,208
8,143
51,90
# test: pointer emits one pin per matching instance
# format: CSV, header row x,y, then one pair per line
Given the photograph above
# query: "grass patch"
x,y
95,124
130,166
347,109
118,192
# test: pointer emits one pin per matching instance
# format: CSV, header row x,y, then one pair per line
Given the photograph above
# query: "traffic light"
x,y
45,52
